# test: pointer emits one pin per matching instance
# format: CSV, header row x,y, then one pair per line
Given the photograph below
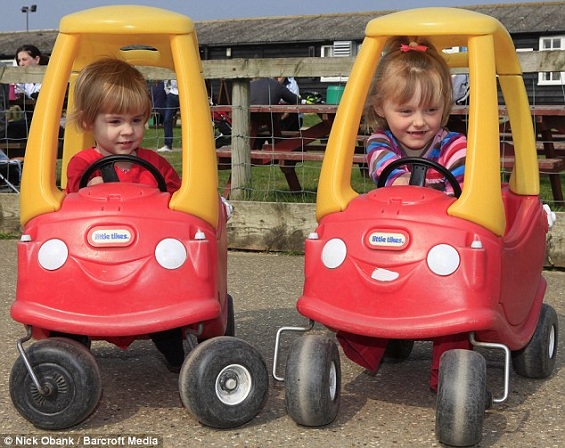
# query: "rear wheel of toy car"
x,y
313,381
537,359
224,382
461,398
84,340
70,379
230,327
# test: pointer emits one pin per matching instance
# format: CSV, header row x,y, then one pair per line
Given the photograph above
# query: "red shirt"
x,y
82,160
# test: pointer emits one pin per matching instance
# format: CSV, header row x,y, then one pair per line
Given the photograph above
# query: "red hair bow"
x,y
404,48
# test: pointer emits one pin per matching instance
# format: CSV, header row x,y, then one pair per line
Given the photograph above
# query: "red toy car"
x,y
120,261
408,263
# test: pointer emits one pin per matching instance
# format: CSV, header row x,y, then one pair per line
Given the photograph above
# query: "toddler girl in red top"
x,y
112,101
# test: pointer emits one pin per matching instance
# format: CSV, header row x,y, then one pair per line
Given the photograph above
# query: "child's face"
x,y
118,133
412,124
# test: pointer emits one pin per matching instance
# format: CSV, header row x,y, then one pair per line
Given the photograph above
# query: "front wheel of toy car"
x,y
461,398
224,382
70,379
537,359
313,381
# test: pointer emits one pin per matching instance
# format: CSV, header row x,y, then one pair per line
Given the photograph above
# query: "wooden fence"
x,y
241,71
270,226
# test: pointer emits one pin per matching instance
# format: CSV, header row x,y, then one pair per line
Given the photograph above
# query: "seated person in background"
x,y
29,55
10,130
26,93
461,89
409,105
10,169
112,101
10,172
290,121
268,91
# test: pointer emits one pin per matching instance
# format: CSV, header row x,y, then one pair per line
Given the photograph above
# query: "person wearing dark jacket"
x,y
267,91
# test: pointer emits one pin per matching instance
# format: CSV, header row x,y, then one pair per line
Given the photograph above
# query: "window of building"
x,y
547,43
342,48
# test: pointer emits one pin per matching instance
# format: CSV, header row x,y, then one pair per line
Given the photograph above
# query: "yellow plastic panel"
x,y
432,21
481,200
105,30
127,19
198,194
525,174
334,187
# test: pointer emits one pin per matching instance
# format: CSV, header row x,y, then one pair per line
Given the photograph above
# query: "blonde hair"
x,y
109,86
409,64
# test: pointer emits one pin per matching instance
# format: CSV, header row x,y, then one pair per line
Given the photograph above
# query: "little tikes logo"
x,y
389,240
110,236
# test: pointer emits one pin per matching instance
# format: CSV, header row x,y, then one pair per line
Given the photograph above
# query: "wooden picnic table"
x,y
284,148
549,127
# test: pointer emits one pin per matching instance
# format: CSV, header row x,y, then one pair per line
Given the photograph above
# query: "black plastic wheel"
x,y
84,340
537,359
224,382
230,328
398,350
461,398
71,378
313,381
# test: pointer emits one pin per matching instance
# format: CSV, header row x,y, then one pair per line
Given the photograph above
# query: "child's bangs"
x,y
427,85
396,88
430,88
120,100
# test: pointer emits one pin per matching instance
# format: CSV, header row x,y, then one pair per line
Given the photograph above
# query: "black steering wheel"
x,y
420,167
106,167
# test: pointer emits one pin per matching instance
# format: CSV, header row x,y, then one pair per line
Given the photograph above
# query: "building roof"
x,y
538,18
545,17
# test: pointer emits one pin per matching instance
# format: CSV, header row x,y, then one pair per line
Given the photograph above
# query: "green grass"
x,y
269,183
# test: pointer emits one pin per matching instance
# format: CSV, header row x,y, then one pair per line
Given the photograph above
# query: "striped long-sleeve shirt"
x,y
447,148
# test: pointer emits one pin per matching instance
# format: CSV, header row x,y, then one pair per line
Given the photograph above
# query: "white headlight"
x,y
170,253
53,254
443,259
334,253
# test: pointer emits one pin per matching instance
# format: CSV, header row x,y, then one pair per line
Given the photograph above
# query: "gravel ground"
x,y
393,408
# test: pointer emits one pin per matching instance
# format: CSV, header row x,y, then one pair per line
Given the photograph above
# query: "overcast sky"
x,y
49,12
